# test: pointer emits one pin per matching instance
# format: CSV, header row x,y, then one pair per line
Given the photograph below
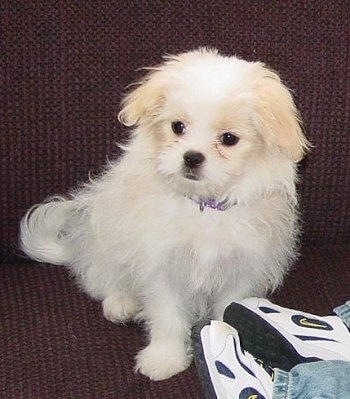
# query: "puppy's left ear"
x,y
278,116
144,100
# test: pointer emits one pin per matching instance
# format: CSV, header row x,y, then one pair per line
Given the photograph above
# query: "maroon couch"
x,y
64,66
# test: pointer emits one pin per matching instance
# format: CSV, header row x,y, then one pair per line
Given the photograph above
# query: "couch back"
x,y
65,66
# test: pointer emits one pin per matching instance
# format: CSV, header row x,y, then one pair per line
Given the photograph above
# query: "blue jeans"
x,y
318,380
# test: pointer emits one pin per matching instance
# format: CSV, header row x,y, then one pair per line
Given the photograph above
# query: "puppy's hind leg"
x,y
121,307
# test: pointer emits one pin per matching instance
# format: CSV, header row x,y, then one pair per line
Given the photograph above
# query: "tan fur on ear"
x,y
279,118
144,100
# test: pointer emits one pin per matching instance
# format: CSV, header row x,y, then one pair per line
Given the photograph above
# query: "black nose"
x,y
193,159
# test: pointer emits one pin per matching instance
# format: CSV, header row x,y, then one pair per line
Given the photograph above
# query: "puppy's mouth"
x,y
192,174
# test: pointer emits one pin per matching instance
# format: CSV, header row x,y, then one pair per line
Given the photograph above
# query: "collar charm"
x,y
212,204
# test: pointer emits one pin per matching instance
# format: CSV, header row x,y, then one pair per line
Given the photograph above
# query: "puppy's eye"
x,y
178,127
229,139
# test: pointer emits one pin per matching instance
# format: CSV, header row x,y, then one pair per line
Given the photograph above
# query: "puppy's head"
x,y
210,120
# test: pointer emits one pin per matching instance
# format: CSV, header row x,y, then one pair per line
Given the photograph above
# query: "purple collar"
x,y
213,204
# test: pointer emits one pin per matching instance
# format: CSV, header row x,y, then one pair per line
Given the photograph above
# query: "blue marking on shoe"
x,y
244,367
250,393
311,338
267,310
224,370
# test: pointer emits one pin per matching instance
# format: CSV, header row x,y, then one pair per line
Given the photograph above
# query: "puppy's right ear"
x,y
144,101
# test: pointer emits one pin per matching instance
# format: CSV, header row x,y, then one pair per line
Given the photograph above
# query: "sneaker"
x,y
226,371
285,337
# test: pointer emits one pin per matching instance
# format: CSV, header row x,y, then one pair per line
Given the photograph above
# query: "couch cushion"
x,y
65,66
55,343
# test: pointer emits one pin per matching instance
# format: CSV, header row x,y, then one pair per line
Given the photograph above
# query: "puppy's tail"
x,y
42,232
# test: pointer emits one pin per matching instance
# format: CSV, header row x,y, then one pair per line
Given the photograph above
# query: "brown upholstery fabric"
x,y
64,66
55,343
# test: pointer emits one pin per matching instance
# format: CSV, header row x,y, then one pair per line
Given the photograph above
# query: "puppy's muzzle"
x,y
193,161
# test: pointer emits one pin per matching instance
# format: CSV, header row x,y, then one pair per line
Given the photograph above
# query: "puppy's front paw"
x,y
120,308
160,361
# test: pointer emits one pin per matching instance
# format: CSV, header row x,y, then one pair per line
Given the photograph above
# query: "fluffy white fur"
x,y
136,239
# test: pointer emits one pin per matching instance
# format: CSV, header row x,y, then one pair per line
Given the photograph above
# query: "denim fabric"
x,y
343,311
318,380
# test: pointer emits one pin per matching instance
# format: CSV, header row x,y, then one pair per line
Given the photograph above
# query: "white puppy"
x,y
200,211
